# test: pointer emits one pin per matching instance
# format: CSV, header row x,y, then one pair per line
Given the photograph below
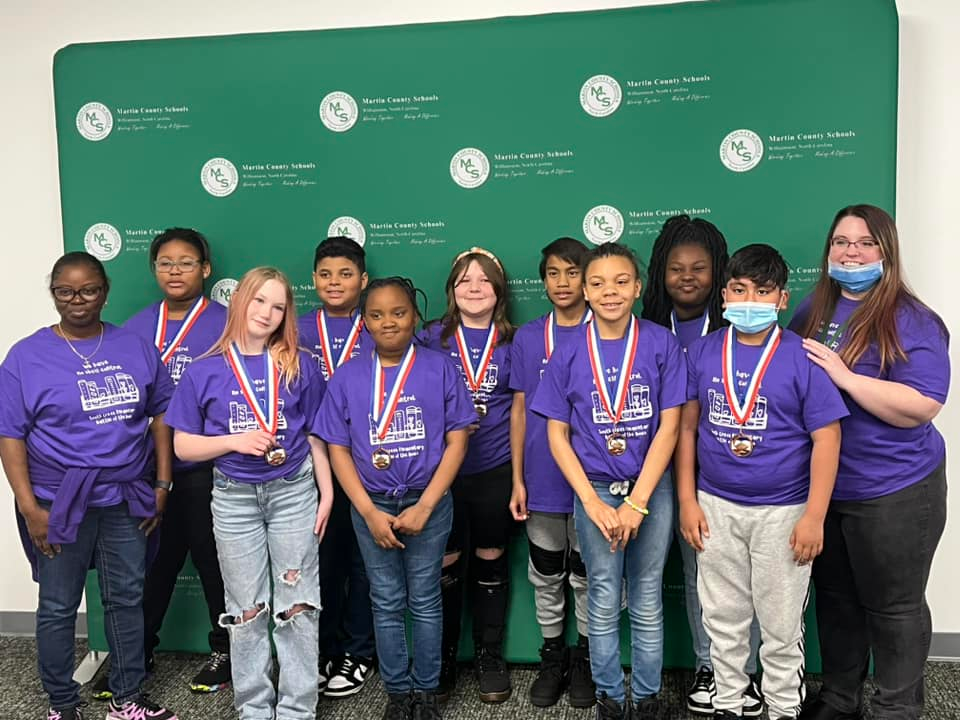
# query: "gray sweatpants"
x,y
555,552
747,566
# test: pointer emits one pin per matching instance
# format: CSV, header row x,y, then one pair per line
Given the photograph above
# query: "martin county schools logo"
x,y
349,227
603,224
219,177
94,121
600,96
741,150
338,111
470,168
222,291
102,241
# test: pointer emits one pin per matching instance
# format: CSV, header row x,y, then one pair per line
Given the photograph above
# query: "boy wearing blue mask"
x,y
763,421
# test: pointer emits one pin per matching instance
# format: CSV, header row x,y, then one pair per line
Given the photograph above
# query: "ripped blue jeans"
x,y
265,541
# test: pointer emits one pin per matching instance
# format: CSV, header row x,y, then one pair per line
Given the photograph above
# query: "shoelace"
x,y
489,662
702,680
216,660
138,709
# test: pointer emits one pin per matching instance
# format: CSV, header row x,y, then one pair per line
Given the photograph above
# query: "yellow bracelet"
x,y
631,503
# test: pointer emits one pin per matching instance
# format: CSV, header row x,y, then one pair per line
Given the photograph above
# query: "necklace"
x,y
85,358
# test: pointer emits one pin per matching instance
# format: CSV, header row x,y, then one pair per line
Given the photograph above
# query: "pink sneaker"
x,y
139,708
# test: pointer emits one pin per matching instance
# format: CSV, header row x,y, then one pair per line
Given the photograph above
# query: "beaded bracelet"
x,y
631,503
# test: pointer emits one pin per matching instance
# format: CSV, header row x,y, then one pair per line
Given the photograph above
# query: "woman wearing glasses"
x,y
887,352
76,403
183,326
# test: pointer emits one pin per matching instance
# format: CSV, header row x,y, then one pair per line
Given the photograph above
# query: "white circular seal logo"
x,y
338,111
349,227
603,224
94,121
222,290
219,177
741,150
470,168
600,96
102,241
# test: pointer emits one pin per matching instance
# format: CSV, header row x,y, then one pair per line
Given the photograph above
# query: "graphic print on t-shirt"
x,y
637,406
243,419
117,389
407,425
720,412
177,366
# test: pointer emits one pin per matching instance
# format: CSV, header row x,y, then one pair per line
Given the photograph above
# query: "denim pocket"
x,y
220,481
302,473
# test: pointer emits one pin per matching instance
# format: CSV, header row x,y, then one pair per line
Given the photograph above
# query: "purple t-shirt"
x,y
338,330
657,379
415,440
206,330
689,331
796,397
209,401
96,417
490,444
547,489
878,459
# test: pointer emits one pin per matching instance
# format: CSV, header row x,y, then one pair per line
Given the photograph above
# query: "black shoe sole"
x,y
544,701
582,702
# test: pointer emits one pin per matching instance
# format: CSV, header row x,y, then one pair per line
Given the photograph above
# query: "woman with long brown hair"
x,y
887,352
249,405
476,333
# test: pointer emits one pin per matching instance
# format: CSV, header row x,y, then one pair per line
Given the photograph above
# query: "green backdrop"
x,y
763,116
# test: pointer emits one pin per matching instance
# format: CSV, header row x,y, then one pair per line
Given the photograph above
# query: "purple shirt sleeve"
x,y
183,412
550,400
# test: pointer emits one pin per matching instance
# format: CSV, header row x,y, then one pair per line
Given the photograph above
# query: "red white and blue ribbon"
x,y
383,402
475,376
741,406
326,347
614,409
268,418
703,331
550,330
160,336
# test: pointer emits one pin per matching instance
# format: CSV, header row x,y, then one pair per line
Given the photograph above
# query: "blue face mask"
x,y
750,317
857,279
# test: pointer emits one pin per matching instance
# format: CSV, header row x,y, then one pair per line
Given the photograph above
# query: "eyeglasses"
x,y
67,294
167,266
864,244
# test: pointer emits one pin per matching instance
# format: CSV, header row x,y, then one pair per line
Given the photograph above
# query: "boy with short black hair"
x,y
541,495
763,421
334,333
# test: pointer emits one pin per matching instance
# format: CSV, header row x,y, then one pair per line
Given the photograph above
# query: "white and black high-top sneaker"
x,y
349,677
701,693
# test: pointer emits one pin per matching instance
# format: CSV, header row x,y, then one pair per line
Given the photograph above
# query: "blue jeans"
x,y
265,538
110,537
701,641
407,579
641,564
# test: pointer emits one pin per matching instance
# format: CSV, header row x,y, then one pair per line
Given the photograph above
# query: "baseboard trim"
x,y
944,647
25,623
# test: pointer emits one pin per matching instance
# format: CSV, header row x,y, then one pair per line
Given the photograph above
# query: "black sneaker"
x,y
66,713
725,715
349,677
100,690
581,690
701,693
608,709
425,706
448,676
398,707
647,708
753,698
550,682
139,708
325,668
492,676
214,675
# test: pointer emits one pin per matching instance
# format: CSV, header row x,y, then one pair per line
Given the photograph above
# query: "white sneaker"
x,y
701,694
349,677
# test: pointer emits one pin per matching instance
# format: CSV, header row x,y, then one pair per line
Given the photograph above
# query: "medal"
x,y
381,459
616,441
741,445
474,377
275,456
160,336
383,403
326,347
741,405
550,331
268,419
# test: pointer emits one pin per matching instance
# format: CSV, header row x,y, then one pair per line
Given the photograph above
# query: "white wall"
x,y
30,33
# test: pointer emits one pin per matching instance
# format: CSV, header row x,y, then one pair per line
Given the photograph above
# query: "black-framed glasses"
x,y
167,266
864,243
67,294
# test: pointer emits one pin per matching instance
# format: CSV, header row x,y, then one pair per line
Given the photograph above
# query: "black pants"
x,y
871,581
346,620
187,527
